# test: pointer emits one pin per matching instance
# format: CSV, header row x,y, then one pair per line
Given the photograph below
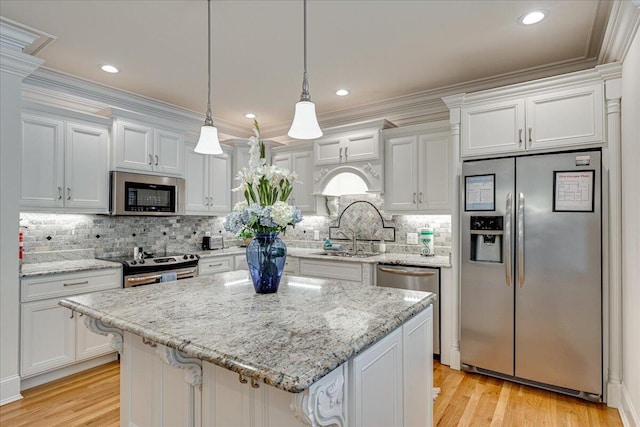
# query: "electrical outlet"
x,y
316,234
412,238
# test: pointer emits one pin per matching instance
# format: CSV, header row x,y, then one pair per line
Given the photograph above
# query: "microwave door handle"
x,y
507,240
521,240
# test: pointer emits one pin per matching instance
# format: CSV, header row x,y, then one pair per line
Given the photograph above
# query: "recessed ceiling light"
x,y
109,69
250,116
342,92
532,17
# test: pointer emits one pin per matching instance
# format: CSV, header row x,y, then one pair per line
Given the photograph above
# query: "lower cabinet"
x,y
214,265
51,336
349,271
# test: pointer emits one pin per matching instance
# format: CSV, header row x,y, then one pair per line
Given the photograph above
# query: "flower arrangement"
x,y
266,189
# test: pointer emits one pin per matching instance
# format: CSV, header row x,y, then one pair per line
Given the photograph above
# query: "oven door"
x,y
155,277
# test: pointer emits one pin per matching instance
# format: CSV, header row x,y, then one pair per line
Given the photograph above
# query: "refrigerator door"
x,y
558,273
486,288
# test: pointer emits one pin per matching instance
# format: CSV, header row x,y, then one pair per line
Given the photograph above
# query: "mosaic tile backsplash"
x,y
103,236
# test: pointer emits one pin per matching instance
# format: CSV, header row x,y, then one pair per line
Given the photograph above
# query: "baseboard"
x,y
46,377
627,412
10,389
614,393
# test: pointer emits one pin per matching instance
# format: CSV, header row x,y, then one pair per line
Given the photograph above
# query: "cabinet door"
x,y
220,183
493,128
47,337
86,168
401,174
90,344
197,181
377,383
134,146
302,164
168,149
42,162
417,366
565,118
282,160
434,182
362,146
240,262
213,265
328,151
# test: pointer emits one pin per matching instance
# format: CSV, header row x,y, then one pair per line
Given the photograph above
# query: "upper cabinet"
x,y
208,182
65,163
499,122
143,148
301,162
350,147
418,169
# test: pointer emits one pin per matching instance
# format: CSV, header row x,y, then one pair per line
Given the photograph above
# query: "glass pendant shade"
x,y
305,124
208,142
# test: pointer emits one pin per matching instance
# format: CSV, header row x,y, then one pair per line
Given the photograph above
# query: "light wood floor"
x,y
91,398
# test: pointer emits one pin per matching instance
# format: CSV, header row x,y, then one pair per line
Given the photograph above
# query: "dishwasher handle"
x,y
404,272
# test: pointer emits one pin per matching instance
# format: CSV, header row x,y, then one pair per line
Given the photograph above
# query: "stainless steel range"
x,y
150,269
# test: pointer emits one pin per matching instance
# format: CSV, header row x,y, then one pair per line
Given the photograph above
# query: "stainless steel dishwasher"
x,y
414,279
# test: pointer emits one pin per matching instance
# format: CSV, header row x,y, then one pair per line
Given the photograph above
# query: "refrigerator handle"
x,y
521,240
507,241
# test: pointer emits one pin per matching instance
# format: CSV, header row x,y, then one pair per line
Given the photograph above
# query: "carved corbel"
x,y
368,167
191,367
324,403
98,327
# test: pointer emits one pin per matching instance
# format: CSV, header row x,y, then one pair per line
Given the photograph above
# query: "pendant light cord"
x,y
304,96
208,121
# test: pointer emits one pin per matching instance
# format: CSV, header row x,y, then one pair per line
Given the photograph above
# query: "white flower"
x,y
281,214
240,206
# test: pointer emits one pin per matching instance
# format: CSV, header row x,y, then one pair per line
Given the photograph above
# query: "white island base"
x,y
388,384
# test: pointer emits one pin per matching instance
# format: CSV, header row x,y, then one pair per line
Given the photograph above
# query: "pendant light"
x,y
305,124
208,142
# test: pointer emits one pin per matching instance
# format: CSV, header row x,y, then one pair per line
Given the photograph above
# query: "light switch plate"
x,y
316,234
412,238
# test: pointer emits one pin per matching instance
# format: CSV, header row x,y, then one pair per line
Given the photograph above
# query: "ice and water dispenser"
x,y
486,238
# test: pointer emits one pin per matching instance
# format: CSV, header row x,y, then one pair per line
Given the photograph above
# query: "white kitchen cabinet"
x,y
240,262
215,264
418,169
65,165
292,266
142,147
51,336
208,182
341,270
300,162
537,120
349,147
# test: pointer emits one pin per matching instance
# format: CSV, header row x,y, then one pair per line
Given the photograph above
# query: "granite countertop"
x,y
67,266
289,339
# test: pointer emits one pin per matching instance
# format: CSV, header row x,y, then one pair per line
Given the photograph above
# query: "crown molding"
x,y
622,26
14,38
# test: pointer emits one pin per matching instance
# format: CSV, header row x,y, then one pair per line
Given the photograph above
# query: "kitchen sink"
x,y
344,254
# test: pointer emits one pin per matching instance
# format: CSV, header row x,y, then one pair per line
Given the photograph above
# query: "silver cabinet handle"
x,y
150,159
507,241
156,163
414,197
340,153
206,201
530,139
68,193
216,265
519,136
85,282
59,193
521,240
72,314
345,152
406,272
420,197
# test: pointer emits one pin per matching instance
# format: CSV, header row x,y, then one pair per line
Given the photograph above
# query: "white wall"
x,y
631,234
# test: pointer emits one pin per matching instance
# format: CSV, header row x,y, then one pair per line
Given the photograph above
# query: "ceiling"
x,y
378,49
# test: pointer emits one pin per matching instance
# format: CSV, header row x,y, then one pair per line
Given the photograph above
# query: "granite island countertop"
x,y
289,339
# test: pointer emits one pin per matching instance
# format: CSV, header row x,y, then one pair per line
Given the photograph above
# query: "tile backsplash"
x,y
106,236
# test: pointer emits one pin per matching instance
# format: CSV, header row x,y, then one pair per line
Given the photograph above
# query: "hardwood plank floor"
x,y
91,398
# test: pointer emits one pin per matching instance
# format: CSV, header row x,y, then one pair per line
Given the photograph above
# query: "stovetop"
x,y
157,262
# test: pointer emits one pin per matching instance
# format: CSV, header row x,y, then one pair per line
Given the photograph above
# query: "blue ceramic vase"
x,y
266,255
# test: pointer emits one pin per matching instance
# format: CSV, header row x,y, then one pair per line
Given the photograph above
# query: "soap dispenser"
x,y
327,244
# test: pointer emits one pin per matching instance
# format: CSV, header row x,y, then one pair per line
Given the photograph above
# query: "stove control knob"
x,y
134,262
142,261
186,256
191,256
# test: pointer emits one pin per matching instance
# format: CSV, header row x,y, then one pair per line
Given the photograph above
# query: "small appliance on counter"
x,y
210,243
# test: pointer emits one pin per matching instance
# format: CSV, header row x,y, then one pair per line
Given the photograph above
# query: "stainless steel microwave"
x,y
139,194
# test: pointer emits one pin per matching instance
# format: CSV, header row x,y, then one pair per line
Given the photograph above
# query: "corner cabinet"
x,y
568,117
65,164
418,169
208,182
143,148
300,162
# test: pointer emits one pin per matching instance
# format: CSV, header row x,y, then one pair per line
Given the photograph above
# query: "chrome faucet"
x,y
354,240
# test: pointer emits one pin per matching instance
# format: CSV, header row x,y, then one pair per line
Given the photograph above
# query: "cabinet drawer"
x,y
292,266
351,271
215,265
58,285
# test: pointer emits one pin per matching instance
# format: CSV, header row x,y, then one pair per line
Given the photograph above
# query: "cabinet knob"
x,y
150,159
156,163
414,197
341,153
68,193
59,193
420,198
346,149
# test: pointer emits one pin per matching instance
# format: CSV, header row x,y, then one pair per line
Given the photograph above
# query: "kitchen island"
x,y
209,351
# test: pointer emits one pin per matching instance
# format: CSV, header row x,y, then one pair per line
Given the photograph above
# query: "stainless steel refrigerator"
x,y
531,270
